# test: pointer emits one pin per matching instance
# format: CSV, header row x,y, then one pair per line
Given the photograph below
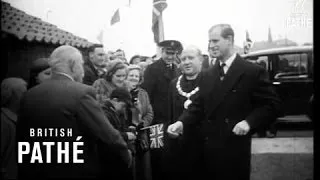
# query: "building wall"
x,y
19,55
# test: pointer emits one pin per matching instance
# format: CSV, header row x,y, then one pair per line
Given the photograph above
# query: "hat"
x,y
171,46
40,64
122,94
134,66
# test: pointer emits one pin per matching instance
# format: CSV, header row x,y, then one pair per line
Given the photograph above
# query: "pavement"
x,y
288,156
288,145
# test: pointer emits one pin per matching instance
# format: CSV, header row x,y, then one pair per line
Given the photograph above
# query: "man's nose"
x,y
211,44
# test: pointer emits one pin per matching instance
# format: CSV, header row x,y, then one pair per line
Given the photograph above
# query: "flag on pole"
x,y
247,37
247,44
115,18
100,37
156,136
157,23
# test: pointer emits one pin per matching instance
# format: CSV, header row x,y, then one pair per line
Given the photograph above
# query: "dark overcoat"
x,y
157,78
62,103
245,93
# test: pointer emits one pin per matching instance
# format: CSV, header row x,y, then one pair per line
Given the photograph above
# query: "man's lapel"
x,y
221,88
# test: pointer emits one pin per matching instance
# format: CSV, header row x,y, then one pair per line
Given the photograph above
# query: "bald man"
x,y
64,103
181,154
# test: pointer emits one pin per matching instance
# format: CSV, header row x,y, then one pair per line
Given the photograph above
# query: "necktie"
x,y
212,61
221,71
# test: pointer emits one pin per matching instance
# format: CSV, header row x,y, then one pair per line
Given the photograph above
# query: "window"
x,y
291,66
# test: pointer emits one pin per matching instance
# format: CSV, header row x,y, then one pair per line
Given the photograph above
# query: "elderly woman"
x,y
115,77
39,72
142,115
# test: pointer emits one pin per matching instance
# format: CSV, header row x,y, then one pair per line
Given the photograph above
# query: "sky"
x,y
185,20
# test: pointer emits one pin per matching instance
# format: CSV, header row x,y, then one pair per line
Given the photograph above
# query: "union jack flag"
x,y
156,135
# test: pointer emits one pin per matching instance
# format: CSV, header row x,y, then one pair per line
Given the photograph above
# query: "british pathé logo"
x,y
41,152
299,17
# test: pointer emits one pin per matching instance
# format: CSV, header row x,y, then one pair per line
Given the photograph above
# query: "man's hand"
x,y
241,128
131,136
175,129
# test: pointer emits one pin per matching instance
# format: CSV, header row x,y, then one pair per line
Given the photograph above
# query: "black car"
x,y
291,72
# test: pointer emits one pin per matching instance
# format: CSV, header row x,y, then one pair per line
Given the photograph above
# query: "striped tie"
x,y
221,71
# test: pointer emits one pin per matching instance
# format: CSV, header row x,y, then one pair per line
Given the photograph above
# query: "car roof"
x,y
281,50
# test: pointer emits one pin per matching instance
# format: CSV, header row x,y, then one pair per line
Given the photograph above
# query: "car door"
x,y
292,80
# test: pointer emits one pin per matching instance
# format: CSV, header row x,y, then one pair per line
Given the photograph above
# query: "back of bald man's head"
x,y
64,57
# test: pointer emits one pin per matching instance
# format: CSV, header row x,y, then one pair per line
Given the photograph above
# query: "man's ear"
x,y
230,39
90,55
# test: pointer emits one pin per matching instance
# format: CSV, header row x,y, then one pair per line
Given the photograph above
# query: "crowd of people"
x,y
209,107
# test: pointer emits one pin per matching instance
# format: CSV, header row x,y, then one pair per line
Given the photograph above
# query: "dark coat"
x,y
122,126
90,73
8,144
157,78
63,103
244,94
181,155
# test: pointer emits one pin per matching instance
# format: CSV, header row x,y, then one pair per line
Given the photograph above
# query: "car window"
x,y
291,66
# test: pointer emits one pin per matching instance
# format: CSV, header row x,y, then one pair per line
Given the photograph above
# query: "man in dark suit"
x,y
235,98
63,103
157,78
94,66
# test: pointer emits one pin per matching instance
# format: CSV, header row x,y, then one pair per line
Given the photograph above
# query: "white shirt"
x,y
228,63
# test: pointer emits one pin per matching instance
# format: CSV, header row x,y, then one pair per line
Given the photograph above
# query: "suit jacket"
x,y
157,78
90,73
244,94
63,103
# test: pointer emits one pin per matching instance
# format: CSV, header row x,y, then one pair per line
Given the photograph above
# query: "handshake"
x,y
175,129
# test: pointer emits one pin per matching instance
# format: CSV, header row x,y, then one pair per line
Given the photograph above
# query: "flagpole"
x,y
161,28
